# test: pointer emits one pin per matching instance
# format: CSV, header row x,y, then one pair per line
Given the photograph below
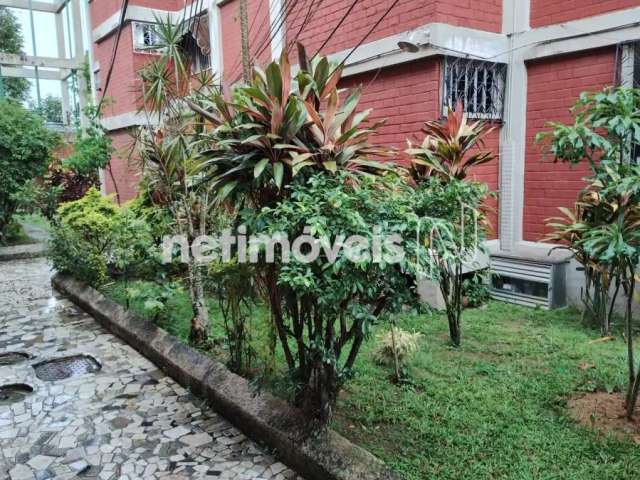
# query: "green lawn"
x,y
495,408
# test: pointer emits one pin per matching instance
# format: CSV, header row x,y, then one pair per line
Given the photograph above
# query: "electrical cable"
x,y
123,15
335,29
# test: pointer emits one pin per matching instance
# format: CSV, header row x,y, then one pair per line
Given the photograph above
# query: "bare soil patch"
x,y
605,412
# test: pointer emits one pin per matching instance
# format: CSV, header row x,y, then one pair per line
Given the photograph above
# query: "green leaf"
x,y
260,166
278,174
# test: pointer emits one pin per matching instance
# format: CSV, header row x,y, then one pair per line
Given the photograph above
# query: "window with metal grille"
x,y
627,74
479,85
145,37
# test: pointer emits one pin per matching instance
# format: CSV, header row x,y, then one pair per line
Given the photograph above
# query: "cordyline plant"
x,y
170,148
603,230
269,139
454,221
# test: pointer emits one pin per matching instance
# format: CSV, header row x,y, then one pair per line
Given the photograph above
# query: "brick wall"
x,y
123,170
408,14
548,12
100,10
407,96
259,37
554,86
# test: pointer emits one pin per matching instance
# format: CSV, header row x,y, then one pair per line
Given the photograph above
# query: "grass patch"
x,y
496,408
34,219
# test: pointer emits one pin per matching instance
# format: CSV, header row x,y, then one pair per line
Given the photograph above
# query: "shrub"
x,y
326,306
603,228
474,290
93,239
92,217
395,348
25,149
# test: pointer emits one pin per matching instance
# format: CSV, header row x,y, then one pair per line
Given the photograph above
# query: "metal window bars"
x,y
627,74
479,84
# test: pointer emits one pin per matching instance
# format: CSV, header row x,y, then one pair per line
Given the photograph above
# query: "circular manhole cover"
x,y
66,367
11,358
14,393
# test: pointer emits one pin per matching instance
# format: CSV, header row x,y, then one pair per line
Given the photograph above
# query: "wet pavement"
x,y
109,413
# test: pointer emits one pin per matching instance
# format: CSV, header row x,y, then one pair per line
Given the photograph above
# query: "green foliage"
x,y
93,239
508,384
25,147
158,217
50,109
276,128
155,299
81,237
232,285
603,229
475,290
92,216
448,148
326,307
92,149
453,225
11,41
606,126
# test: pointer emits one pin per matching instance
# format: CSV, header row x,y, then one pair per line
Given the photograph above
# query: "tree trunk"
x,y
320,393
632,391
198,334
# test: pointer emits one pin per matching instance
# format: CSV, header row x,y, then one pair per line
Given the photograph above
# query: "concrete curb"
x,y
22,252
261,416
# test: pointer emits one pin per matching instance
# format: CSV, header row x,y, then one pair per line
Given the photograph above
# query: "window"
x,y
145,37
480,85
196,42
628,75
96,79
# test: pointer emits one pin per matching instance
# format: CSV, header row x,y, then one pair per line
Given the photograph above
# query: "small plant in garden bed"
x,y
475,291
603,229
451,207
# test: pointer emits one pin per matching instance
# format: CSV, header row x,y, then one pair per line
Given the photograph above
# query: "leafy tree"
x,y
358,266
92,149
25,150
11,41
50,109
450,206
171,154
603,227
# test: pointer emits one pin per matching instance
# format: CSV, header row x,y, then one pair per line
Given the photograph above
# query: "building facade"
x,y
517,63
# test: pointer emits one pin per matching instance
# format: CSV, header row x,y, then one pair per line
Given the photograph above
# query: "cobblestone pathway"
x,y
127,421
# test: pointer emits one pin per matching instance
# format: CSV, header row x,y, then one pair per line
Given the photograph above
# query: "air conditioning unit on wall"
x,y
532,283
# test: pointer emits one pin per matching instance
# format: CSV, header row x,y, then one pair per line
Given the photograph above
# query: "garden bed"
x,y
495,408
326,456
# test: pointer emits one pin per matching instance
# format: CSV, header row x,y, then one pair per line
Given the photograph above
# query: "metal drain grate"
x,y
10,394
11,358
62,368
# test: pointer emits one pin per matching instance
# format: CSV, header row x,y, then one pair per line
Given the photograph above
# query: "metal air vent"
x,y
531,283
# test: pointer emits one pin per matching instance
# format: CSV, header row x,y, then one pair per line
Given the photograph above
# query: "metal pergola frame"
x,y
71,53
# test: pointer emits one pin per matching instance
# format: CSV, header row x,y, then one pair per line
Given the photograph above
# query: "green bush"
x,y
93,239
25,150
328,305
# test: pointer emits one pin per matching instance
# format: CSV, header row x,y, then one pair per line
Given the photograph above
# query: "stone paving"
x,y
127,421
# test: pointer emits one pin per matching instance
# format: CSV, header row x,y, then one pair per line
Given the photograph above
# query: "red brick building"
x,y
519,63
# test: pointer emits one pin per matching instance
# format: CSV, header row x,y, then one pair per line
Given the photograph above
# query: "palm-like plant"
x,y
170,151
278,126
447,150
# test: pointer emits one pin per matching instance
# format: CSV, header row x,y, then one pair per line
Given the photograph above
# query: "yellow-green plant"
x,y
396,347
